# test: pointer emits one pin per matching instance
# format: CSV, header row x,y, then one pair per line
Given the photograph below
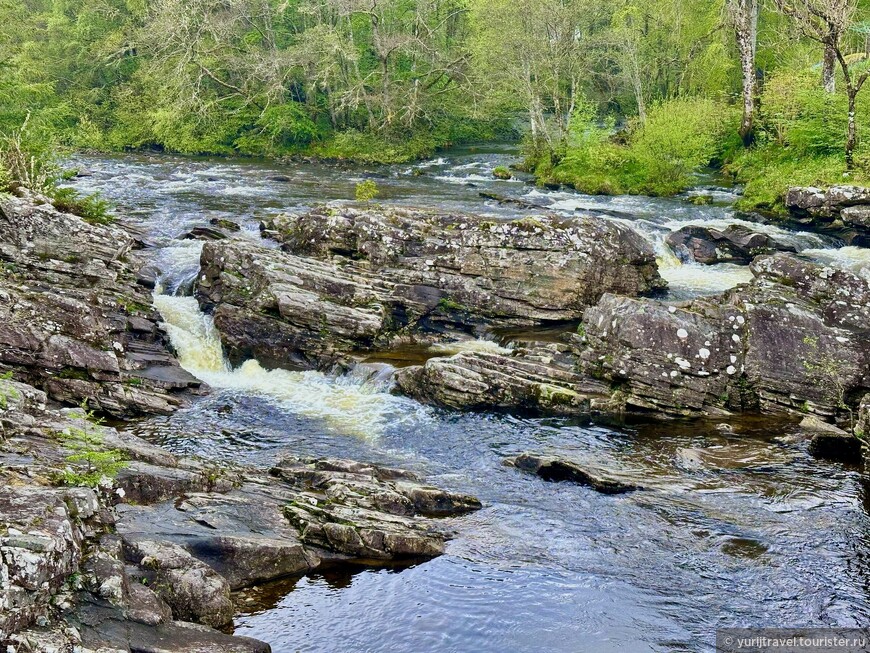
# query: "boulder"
x,y
832,443
552,468
193,590
734,244
792,339
350,280
843,211
205,233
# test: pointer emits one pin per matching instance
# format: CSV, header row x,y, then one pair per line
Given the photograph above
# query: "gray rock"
x,y
353,280
829,442
551,468
839,210
193,590
727,352
73,320
734,244
540,379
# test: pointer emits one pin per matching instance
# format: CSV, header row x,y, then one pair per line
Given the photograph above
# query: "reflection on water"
x,y
737,524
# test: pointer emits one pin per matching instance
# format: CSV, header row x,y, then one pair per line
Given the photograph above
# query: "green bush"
x,y
91,208
657,157
797,113
90,464
366,191
801,138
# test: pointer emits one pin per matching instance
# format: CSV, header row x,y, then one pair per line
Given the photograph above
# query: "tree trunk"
x,y
851,132
746,27
829,80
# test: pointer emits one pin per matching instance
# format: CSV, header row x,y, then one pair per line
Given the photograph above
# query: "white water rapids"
x,y
358,403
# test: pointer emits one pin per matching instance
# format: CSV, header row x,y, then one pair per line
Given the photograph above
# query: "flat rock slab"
x,y
551,468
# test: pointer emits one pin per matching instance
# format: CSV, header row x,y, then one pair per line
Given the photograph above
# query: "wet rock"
x,y
728,352
551,468
862,418
375,487
226,225
830,442
73,320
204,233
148,276
734,244
105,628
280,178
352,280
843,211
540,379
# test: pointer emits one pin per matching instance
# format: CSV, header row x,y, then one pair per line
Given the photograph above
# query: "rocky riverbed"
x,y
157,534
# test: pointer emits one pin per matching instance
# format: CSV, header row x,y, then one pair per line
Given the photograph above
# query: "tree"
x,y
529,55
826,22
744,18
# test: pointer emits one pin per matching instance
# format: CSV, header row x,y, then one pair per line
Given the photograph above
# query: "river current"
x,y
738,526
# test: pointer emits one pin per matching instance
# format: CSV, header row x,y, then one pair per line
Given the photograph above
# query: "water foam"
x,y
358,403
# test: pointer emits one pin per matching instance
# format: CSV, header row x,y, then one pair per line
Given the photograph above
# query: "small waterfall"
x,y
357,403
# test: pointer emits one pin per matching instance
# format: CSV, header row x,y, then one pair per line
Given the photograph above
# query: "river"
x,y
737,526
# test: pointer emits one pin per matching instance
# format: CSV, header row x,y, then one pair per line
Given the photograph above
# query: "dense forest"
x,y
612,96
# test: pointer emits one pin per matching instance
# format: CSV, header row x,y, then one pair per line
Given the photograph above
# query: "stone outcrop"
x,y
147,560
552,468
843,211
537,378
832,443
74,322
792,339
734,244
349,280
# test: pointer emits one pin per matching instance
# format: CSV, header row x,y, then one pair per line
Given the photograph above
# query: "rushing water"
x,y
738,526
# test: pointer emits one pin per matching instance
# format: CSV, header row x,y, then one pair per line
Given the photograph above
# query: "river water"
x,y
737,526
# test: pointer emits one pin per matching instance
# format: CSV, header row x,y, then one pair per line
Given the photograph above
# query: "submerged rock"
x,y
351,280
551,468
734,244
73,319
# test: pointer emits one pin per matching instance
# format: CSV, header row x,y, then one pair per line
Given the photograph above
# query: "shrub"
x,y
26,163
90,464
91,208
797,113
658,157
366,191
501,172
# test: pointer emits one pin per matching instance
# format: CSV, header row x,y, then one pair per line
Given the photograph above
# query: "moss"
x,y
74,373
501,172
447,304
530,224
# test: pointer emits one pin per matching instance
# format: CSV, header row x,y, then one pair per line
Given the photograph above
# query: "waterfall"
x,y
357,403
